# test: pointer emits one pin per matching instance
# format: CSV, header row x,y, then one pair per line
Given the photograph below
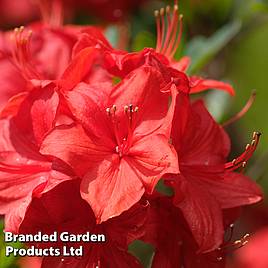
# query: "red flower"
x,y
23,171
39,54
174,244
52,212
206,184
122,149
168,40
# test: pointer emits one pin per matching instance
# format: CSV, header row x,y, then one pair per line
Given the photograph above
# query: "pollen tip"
x,y
125,108
176,7
136,109
162,11
114,107
21,29
156,13
167,9
181,16
256,134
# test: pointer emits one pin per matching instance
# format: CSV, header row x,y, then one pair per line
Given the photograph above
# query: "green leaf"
x,y
202,50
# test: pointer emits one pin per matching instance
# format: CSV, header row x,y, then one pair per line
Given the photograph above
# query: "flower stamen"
x,y
123,144
169,30
242,160
21,53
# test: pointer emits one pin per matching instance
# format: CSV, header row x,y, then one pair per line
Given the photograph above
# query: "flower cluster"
x,y
88,131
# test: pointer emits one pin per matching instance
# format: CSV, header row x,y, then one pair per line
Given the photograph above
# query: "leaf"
x,y
202,50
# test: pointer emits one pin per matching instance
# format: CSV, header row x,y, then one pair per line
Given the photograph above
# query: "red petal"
x,y
37,113
78,68
204,141
152,157
111,187
91,37
87,103
202,213
182,65
199,84
13,104
233,190
142,88
76,148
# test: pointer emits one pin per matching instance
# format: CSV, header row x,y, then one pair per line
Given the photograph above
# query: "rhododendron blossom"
x,y
120,136
89,132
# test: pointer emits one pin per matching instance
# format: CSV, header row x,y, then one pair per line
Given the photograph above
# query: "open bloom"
x,y
24,171
122,147
175,246
206,183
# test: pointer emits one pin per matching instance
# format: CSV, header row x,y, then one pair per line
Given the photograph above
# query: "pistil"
x,y
123,144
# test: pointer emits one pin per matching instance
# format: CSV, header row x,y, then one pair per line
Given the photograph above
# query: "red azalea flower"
x,y
23,170
39,54
122,149
168,232
42,92
52,212
169,32
42,55
206,184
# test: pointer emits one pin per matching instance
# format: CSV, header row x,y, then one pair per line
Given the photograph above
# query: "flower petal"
x,y
142,89
233,190
204,141
202,213
111,187
152,157
72,145
78,68
199,84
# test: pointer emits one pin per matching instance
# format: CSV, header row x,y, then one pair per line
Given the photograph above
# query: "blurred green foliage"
x,y
201,49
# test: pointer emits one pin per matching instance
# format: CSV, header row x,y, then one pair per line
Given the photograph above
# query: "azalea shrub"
x,y
103,140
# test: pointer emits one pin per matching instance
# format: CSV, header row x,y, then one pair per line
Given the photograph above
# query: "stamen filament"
x,y
168,32
241,160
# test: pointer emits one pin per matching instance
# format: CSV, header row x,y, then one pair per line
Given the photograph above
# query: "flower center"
x,y
123,144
